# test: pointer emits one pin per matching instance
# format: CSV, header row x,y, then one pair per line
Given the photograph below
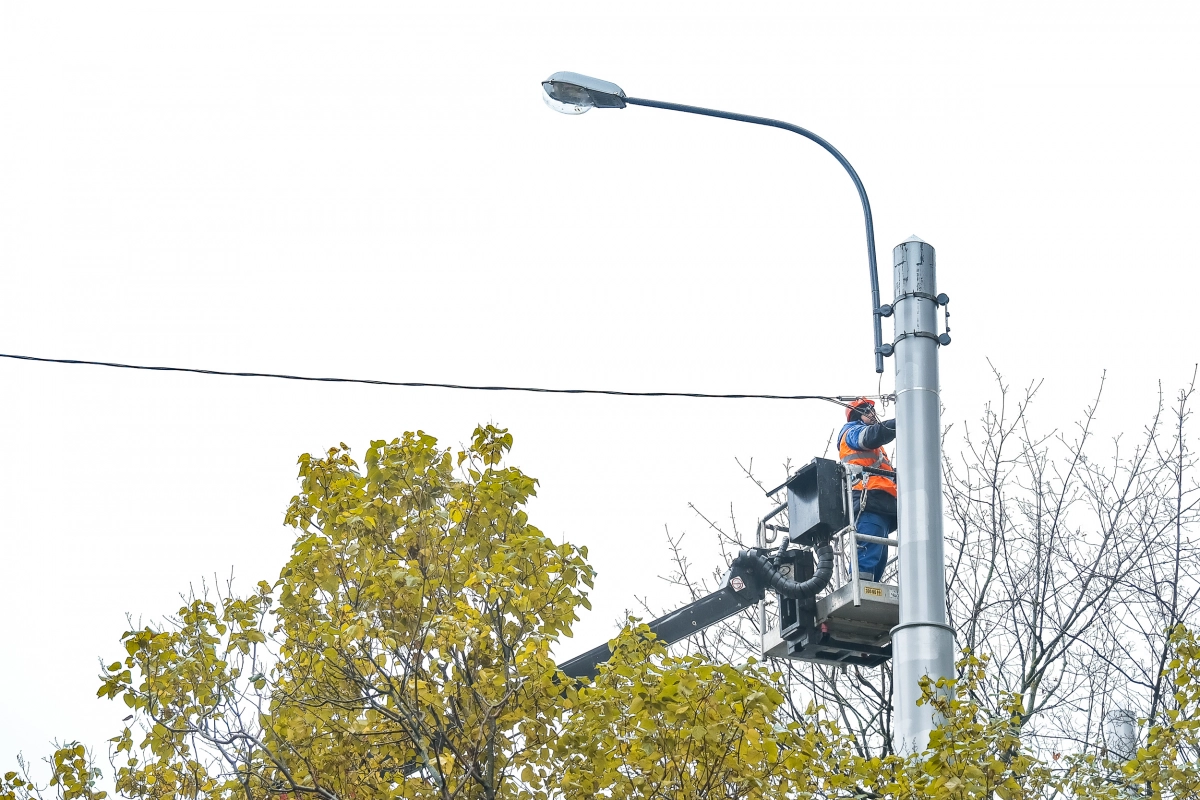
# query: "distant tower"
x,y
1121,734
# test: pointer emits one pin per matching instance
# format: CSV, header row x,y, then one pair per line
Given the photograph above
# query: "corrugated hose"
x,y
762,567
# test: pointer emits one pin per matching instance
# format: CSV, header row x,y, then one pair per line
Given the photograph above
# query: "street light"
x,y
923,642
572,93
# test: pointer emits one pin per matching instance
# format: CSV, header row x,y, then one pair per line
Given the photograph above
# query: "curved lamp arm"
x,y
877,314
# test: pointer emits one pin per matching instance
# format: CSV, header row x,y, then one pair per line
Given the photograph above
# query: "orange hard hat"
x,y
855,405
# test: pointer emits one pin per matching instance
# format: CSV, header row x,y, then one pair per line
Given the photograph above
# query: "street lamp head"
x,y
572,93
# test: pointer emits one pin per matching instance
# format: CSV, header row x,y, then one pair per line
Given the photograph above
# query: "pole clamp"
x,y
941,299
942,338
887,309
943,626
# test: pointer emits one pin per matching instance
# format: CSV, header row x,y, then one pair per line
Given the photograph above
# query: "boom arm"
x,y
739,590
816,511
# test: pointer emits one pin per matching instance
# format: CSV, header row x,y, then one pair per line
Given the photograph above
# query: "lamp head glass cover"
x,y
572,93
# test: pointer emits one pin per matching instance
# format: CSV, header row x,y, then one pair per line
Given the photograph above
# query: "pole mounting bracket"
x,y
942,338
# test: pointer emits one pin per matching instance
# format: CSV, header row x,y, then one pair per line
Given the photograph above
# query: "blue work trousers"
x,y
872,558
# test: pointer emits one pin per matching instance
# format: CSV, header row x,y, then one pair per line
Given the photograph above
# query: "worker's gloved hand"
x,y
890,424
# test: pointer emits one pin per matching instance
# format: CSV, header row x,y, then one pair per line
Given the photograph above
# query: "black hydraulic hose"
x,y
786,587
784,545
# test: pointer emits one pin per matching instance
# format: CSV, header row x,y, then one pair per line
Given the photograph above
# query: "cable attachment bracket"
x,y
888,309
943,300
885,350
943,338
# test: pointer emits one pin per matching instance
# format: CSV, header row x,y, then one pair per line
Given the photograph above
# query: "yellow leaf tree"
x,y
656,726
404,651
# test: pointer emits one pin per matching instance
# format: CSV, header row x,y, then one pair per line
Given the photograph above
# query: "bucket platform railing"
x,y
851,621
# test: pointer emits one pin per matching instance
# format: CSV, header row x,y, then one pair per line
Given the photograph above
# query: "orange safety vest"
x,y
876,459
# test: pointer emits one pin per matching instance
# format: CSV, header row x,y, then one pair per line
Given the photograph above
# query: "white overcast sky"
x,y
376,190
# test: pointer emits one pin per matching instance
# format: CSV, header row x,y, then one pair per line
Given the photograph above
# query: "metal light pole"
x,y
923,642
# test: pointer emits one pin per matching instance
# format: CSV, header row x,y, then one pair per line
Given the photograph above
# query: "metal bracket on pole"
x,y
852,472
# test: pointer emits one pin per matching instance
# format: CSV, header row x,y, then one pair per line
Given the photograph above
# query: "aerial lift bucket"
x,y
852,622
847,621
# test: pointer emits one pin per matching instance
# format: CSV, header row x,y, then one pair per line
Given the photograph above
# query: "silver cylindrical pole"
x,y
923,642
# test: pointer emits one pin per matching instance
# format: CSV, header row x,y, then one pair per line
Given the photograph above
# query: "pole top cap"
x,y
914,238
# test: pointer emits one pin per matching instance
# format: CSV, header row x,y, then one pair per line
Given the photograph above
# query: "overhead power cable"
x,y
839,400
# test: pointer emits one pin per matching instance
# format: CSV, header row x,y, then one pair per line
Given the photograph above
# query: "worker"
x,y
861,442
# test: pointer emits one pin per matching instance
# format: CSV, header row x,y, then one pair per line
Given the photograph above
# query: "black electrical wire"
x,y
840,400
